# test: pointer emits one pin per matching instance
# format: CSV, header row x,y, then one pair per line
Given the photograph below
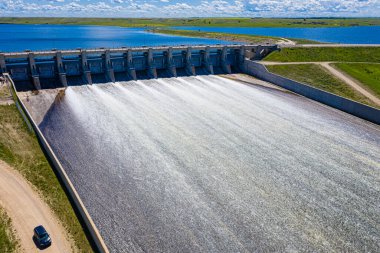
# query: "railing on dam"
x,y
51,69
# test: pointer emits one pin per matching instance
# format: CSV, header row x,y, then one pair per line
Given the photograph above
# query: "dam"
x,y
200,162
52,69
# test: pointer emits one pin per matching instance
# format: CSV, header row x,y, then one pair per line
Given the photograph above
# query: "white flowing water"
x,y
207,164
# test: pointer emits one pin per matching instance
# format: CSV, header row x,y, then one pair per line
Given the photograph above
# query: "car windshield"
x,y
43,236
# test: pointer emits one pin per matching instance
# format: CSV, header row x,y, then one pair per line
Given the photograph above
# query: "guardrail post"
x,y
108,64
85,68
130,67
60,68
34,72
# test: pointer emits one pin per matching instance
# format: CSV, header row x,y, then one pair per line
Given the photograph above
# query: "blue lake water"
x,y
40,37
348,35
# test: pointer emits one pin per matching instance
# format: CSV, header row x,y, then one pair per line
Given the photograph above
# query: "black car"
x,y
41,237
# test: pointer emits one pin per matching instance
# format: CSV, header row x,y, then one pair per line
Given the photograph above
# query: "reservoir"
x,y
15,37
346,35
212,164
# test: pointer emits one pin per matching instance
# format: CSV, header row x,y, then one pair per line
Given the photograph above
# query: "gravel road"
x,y
26,209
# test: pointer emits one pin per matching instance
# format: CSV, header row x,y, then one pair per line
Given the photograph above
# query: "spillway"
x,y
209,164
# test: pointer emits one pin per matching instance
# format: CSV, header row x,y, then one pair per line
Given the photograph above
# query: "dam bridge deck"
x,y
52,69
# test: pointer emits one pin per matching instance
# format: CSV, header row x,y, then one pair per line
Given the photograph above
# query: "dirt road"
x,y
27,210
337,73
350,81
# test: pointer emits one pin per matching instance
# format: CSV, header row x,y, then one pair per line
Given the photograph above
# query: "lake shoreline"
x,y
235,37
338,35
201,22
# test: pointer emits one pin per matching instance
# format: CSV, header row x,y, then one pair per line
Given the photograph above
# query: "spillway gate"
x,y
52,69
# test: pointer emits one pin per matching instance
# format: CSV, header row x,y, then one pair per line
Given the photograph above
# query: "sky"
x,y
193,8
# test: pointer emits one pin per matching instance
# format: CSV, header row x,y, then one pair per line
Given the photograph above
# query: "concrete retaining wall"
x,y
357,109
74,196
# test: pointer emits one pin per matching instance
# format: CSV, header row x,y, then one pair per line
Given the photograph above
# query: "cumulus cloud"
x,y
206,8
310,7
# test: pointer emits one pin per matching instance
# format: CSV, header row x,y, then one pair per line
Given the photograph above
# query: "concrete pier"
x,y
3,67
130,67
241,58
33,71
74,67
170,64
206,61
61,71
85,70
224,62
109,69
152,73
190,69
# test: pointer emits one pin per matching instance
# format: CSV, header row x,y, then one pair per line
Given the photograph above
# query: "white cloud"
x,y
207,8
310,7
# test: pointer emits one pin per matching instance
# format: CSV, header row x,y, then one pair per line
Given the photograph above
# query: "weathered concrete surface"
x,y
207,164
39,103
247,79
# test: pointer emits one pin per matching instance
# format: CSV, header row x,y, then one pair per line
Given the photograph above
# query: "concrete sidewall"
x,y
85,216
346,105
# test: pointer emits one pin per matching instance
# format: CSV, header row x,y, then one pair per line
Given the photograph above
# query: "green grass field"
x,y
8,240
20,149
318,77
212,22
333,54
367,74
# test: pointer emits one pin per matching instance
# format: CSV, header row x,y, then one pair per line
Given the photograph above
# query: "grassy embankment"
x,y
366,73
326,54
228,36
318,77
20,149
8,239
211,22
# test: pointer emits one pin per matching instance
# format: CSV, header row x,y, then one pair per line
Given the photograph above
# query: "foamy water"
x,y
207,164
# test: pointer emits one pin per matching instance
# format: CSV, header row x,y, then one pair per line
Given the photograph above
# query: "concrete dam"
x,y
207,163
52,69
